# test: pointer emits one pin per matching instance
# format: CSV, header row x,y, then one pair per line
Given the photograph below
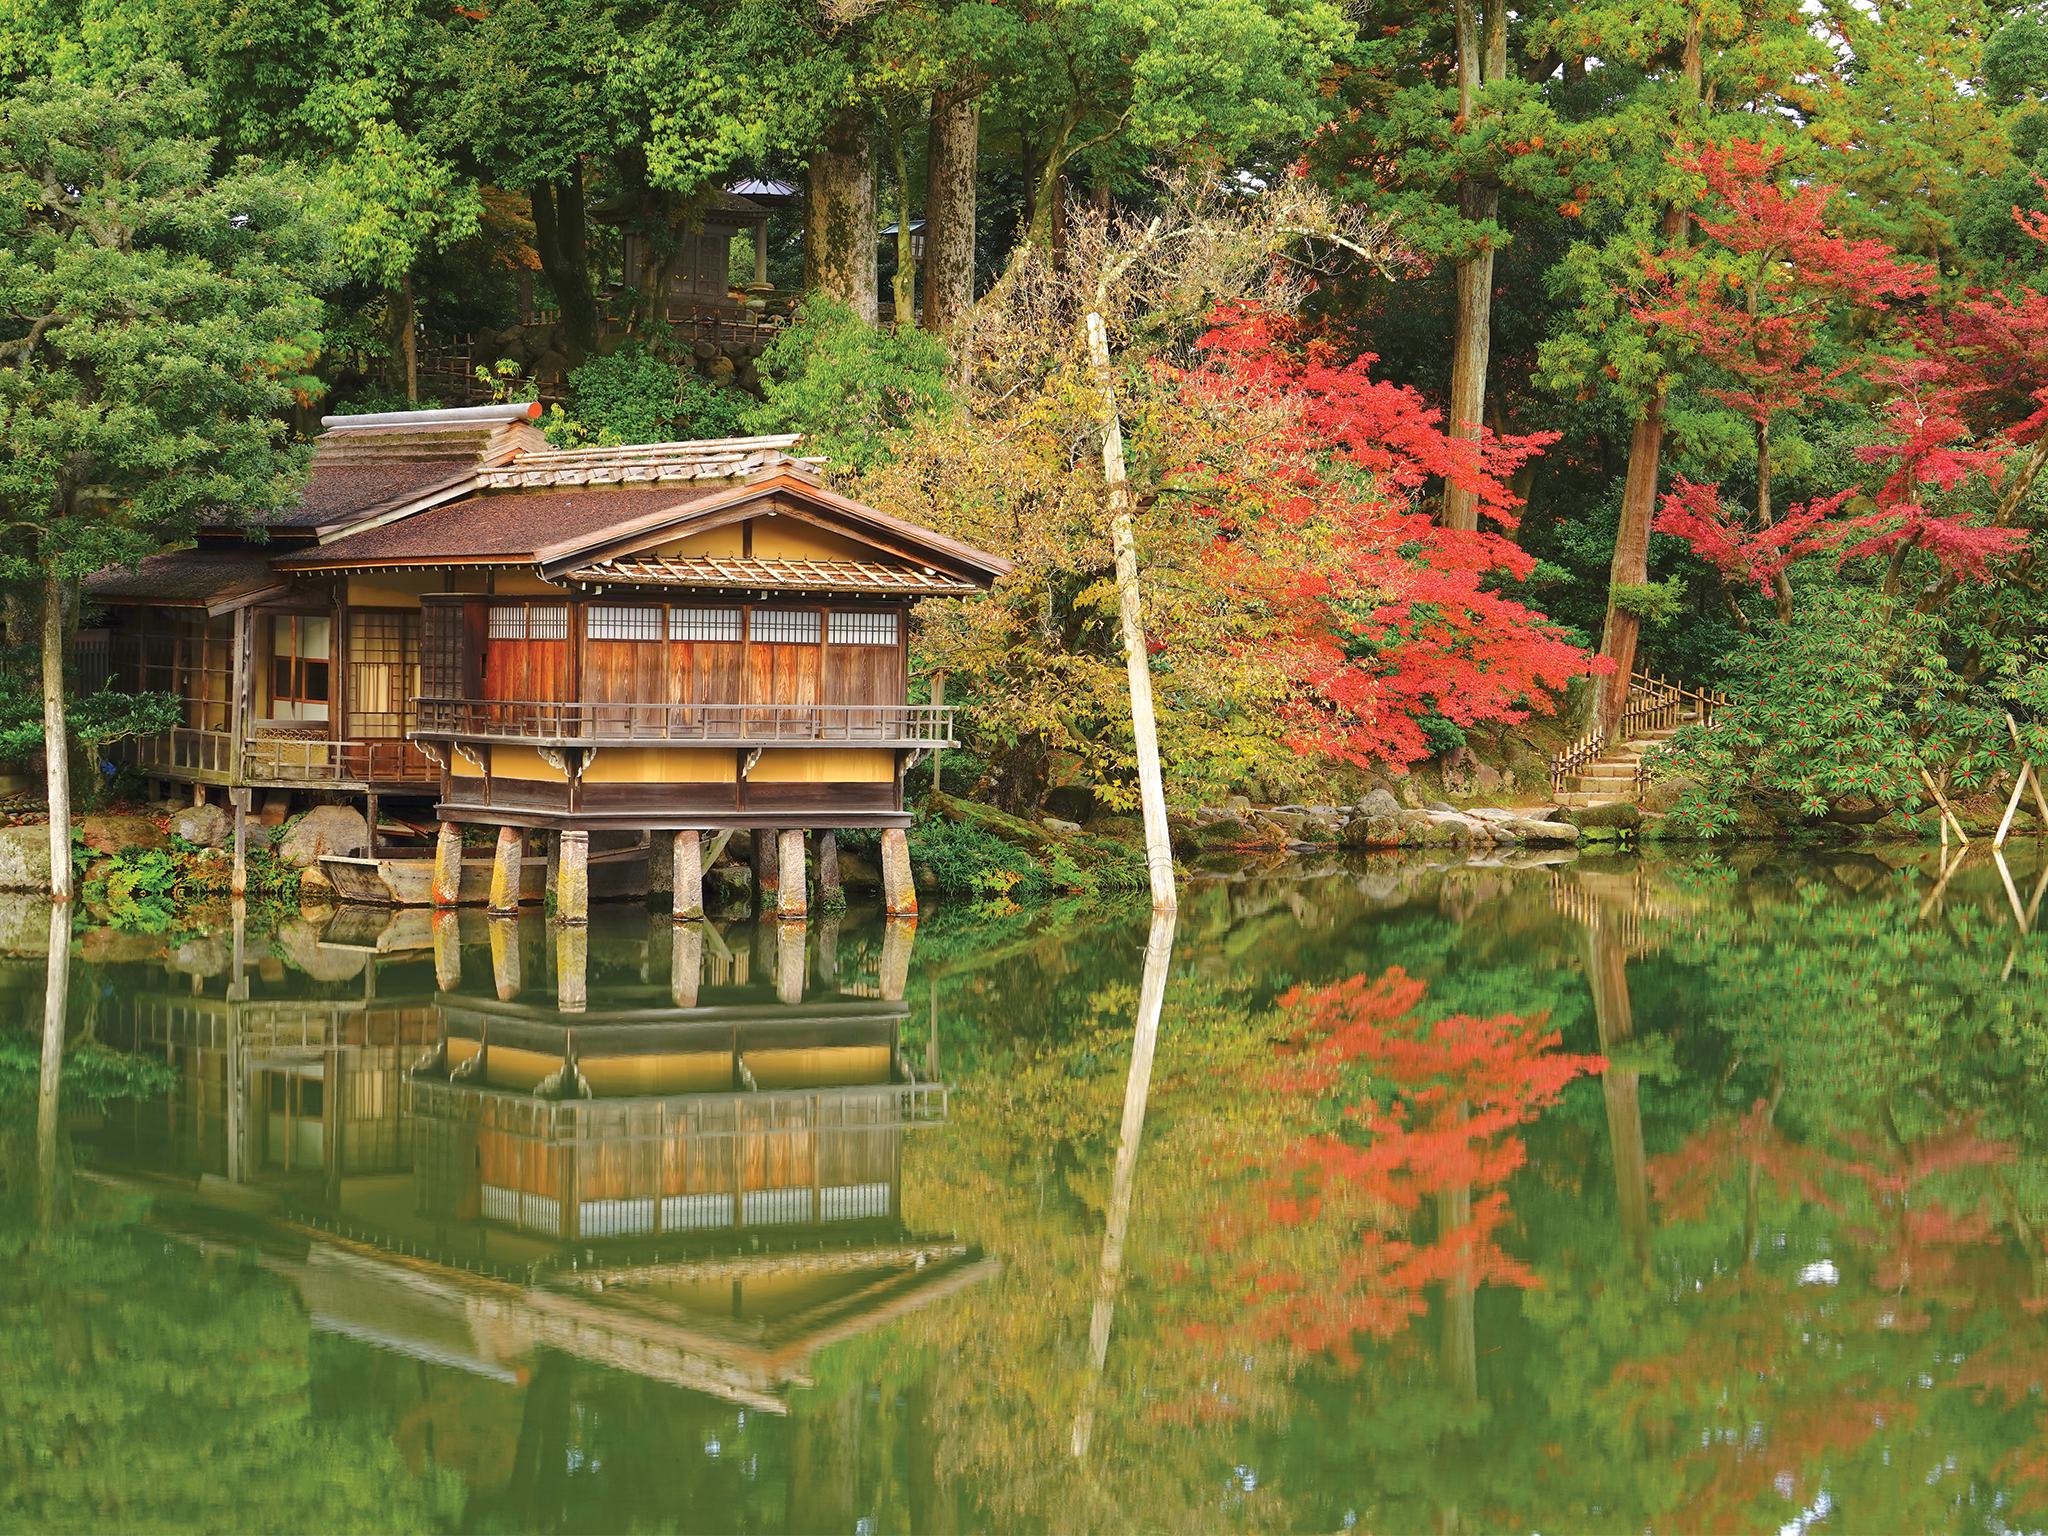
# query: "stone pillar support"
x,y
767,870
448,865
789,894
686,964
897,934
789,962
447,952
572,879
830,897
505,869
508,957
572,968
689,882
899,891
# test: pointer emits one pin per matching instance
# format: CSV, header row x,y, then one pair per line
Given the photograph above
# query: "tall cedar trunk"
x,y
1472,281
904,285
56,737
951,149
408,337
1631,565
558,239
839,215
1607,970
56,984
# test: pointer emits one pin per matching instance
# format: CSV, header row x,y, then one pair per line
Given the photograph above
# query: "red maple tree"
x,y
1405,618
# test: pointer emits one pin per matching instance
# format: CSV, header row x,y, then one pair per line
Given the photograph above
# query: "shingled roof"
x,y
491,530
782,575
215,579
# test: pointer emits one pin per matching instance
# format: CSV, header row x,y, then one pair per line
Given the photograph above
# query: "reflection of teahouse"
x,y
686,636
664,1122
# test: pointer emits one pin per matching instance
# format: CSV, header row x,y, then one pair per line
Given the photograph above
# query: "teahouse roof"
x,y
218,580
734,573
366,467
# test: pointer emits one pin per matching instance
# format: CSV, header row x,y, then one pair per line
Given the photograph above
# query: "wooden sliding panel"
x,y
707,652
864,665
624,664
783,664
526,657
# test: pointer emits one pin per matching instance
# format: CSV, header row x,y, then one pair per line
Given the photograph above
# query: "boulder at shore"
x,y
25,858
325,829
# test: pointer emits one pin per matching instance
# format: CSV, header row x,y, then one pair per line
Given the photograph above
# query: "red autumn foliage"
x,y
1403,619
1974,394
1437,1111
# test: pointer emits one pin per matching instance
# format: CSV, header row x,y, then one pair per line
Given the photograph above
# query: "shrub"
x,y
846,386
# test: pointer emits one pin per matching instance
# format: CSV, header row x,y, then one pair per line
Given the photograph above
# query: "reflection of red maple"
x,y
1323,1248
1811,1369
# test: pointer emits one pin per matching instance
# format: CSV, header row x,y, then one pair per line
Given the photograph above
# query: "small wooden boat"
x,y
388,882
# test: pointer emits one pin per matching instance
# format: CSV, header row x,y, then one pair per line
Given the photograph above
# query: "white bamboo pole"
x,y
1137,1088
1124,542
2019,787
1942,801
2012,894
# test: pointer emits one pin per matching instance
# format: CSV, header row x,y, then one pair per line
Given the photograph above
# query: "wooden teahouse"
x,y
677,637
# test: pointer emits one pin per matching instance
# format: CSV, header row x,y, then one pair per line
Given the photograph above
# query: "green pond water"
x,y
1609,1194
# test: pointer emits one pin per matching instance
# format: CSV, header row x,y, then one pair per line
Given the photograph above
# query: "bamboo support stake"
x,y
1942,801
1123,541
2040,800
2012,894
2019,787
1948,872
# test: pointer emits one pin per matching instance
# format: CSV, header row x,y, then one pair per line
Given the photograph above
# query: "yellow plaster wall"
x,y
462,768
791,538
831,1066
524,763
825,766
719,541
516,583
392,589
668,1072
660,765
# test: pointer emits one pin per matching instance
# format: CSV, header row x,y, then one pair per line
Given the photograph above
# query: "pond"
x,y
1602,1194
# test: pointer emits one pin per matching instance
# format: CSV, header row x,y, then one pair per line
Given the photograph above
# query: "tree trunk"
x,y
56,984
839,215
408,337
1137,654
904,287
1472,280
1607,971
951,150
1045,202
1781,584
56,738
1631,565
558,239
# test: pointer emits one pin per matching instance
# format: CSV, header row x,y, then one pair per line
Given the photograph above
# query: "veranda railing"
x,y
1655,703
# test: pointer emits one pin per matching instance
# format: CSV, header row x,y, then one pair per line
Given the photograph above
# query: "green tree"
x,y
158,319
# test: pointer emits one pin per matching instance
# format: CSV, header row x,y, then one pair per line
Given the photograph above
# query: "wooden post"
x,y
830,896
448,865
371,811
689,884
238,885
572,968
686,964
447,951
789,896
938,702
508,957
505,869
572,877
899,890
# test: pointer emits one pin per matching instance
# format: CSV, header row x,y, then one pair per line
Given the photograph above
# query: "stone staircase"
x,y
1588,774
1612,775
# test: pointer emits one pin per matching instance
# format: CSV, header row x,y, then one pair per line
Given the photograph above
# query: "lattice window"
x,y
383,673
605,621
863,629
705,624
549,621
786,626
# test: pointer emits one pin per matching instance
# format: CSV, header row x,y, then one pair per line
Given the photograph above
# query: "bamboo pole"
x,y
2012,894
2019,786
2040,800
1942,801
1124,542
